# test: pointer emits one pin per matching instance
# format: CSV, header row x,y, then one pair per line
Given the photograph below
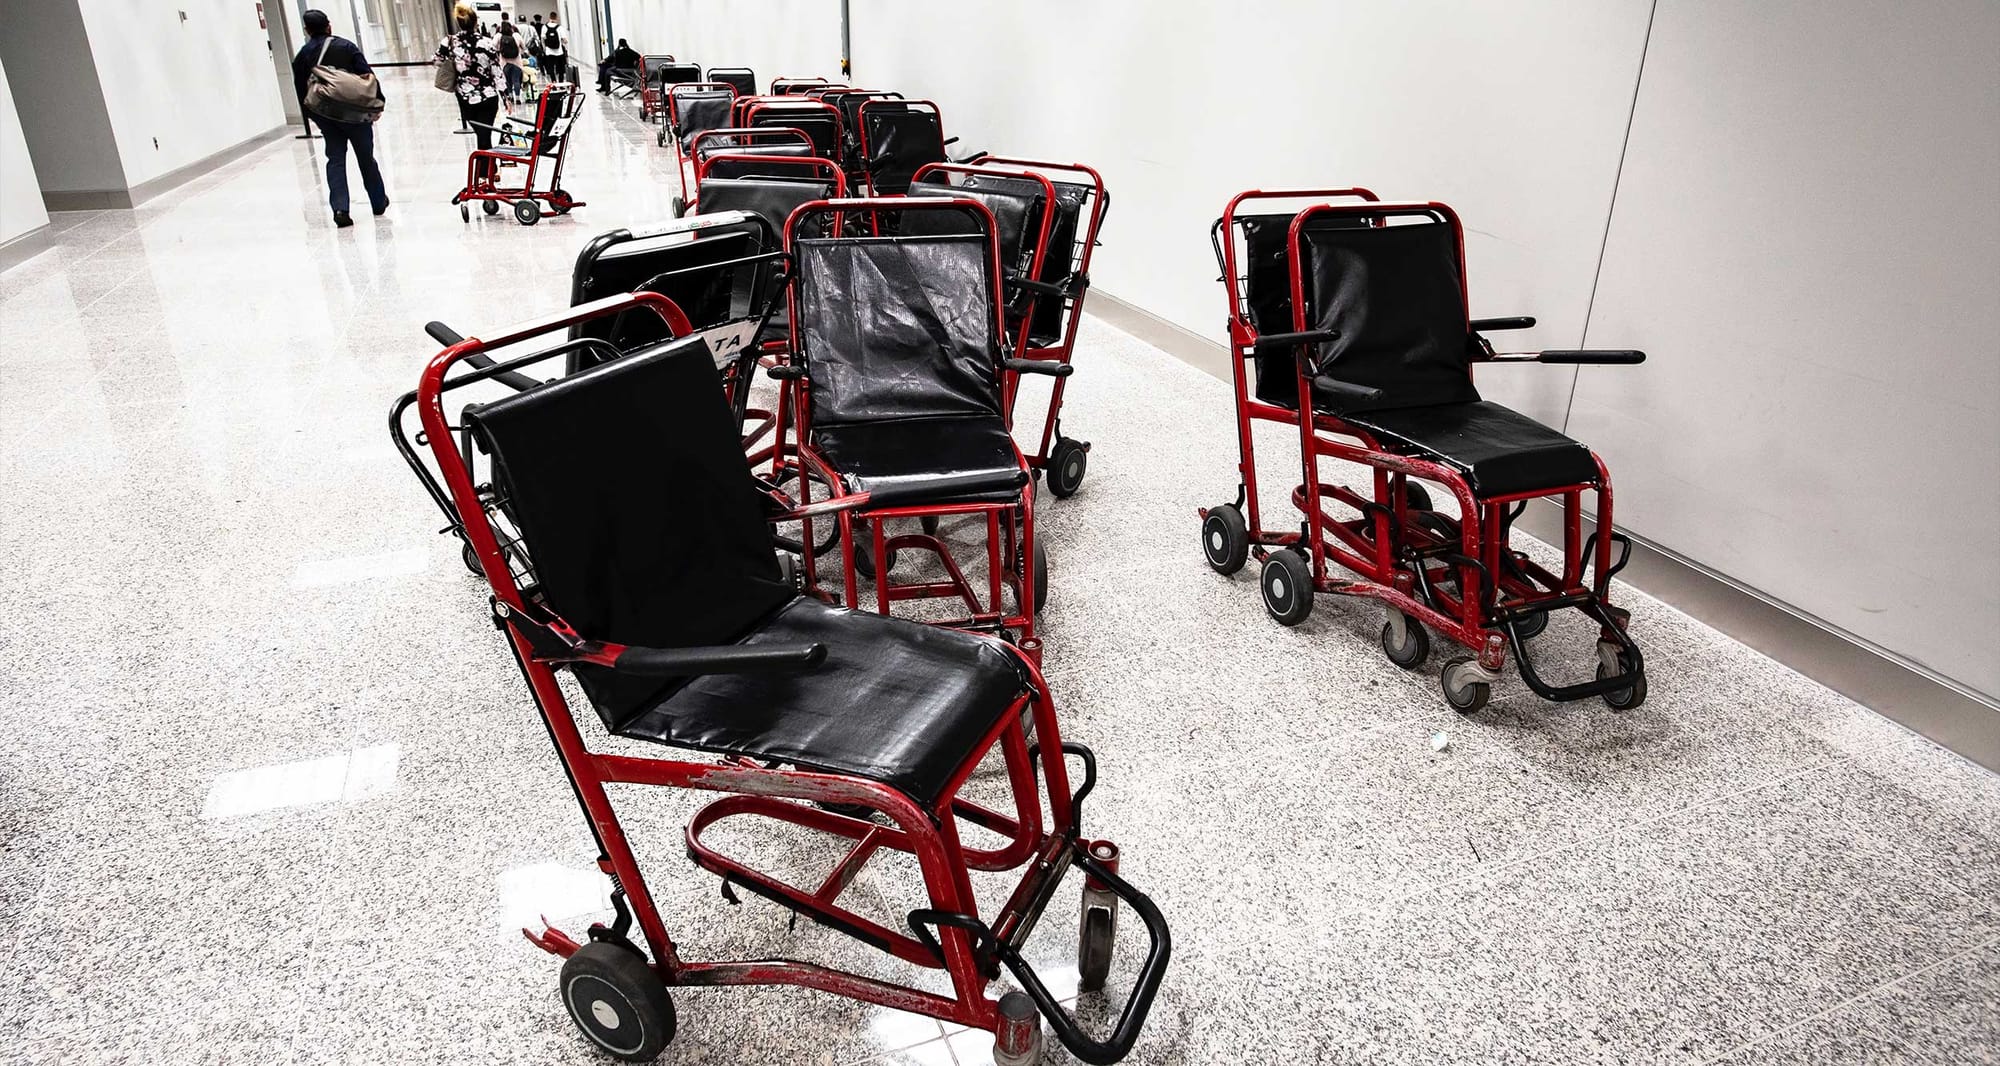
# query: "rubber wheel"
x,y
618,1002
864,552
1416,645
1093,948
930,524
677,205
464,214
1287,584
471,559
1068,461
491,207
1041,578
662,138
1225,540
1416,497
1532,625
1623,699
562,206
1465,696
527,212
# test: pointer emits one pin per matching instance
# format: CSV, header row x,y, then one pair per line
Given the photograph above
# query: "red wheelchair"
x,y
647,571
540,149
1354,315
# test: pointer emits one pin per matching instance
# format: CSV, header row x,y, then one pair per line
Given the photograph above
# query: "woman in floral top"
x,y
478,64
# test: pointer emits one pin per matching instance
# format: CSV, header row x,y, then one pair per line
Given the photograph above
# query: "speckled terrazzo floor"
x,y
216,566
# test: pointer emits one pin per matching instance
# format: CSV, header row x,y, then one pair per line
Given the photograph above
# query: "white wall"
x,y
1807,241
775,38
197,87
57,98
20,191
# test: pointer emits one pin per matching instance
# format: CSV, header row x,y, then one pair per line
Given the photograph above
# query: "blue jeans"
x,y
338,136
513,80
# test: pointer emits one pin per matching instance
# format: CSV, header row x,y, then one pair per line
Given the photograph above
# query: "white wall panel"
x,y
1807,241
21,208
775,38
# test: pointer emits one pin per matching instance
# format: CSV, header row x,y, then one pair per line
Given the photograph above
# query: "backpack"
x,y
509,48
534,42
552,41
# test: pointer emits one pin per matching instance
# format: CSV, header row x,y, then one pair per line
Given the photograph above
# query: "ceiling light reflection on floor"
x,y
348,777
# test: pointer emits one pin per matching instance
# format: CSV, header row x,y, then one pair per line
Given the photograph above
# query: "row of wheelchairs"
x,y
642,524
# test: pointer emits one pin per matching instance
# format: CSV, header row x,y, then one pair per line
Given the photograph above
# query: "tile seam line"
x,y
1856,998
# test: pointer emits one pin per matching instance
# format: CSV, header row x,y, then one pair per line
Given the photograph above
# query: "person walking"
x,y
555,50
322,47
509,48
473,56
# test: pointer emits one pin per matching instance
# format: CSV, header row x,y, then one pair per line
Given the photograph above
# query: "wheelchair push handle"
x,y
1275,341
1593,356
736,659
1485,325
443,334
1048,367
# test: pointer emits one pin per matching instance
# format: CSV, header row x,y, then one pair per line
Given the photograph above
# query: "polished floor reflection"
x,y
273,791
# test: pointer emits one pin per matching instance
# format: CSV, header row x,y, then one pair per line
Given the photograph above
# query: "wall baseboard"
x,y
26,246
1903,691
126,199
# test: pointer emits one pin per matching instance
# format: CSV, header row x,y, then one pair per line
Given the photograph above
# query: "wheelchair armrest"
x,y
785,372
1346,390
1048,367
936,488
1595,356
1266,341
1483,325
732,659
1031,285
492,128
442,333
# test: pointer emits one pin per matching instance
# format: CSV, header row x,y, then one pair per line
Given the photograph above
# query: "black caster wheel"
x,y
1041,578
1287,583
527,212
618,1002
471,559
930,524
1465,685
1612,661
1415,497
864,552
465,214
1530,626
661,137
1405,640
677,205
1225,540
1068,461
491,207
1093,947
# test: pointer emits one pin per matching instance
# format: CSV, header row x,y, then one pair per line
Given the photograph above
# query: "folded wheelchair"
x,y
895,366
742,79
654,582
693,108
1355,317
1049,216
651,85
540,150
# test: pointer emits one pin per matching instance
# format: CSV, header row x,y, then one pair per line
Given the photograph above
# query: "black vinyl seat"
x,y
1500,451
1393,295
895,701
976,454
899,342
638,510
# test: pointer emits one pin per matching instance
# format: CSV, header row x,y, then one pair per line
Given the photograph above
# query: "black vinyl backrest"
x,y
1394,294
901,140
817,123
897,327
701,109
1047,326
633,498
771,198
1017,214
680,73
697,275
742,78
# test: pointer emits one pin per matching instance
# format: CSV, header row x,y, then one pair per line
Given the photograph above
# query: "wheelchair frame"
x,y
1064,459
860,135
670,118
525,199
1404,555
650,90
970,950
1010,526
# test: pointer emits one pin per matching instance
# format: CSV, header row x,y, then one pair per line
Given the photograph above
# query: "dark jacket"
x,y
342,54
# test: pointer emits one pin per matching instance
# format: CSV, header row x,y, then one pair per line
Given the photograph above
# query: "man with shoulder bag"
x,y
338,89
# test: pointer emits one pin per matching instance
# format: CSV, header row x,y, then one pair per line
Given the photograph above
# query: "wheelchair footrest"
x,y
1613,624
